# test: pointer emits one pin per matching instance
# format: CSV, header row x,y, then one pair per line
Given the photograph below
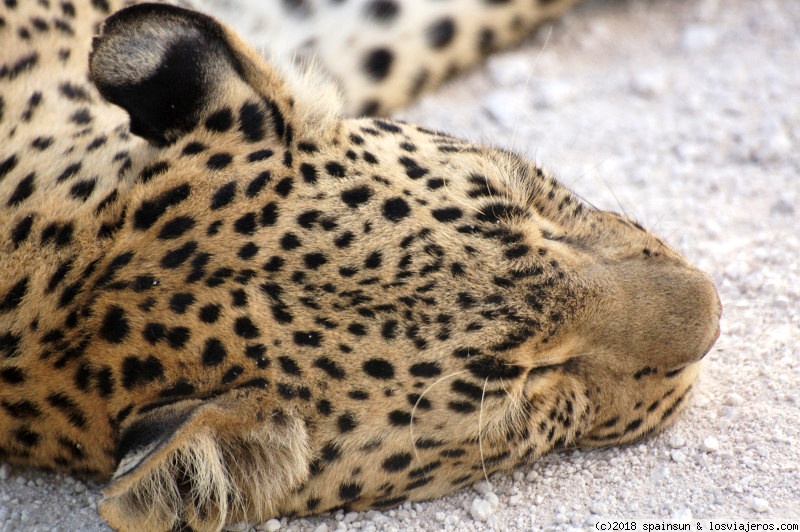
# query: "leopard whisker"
x,y
480,431
416,404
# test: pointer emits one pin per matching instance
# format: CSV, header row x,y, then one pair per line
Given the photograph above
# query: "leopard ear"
x,y
205,463
158,62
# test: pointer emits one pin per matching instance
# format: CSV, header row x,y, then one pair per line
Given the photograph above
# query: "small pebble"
x,y
698,38
482,487
710,445
272,525
682,514
650,83
504,106
554,94
759,505
676,441
481,510
509,69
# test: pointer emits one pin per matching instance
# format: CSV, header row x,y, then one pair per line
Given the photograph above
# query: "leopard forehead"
x,y
212,284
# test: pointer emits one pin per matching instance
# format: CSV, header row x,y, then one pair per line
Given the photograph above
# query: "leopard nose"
x,y
666,312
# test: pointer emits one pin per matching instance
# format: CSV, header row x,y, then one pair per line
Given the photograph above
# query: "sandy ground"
x,y
686,115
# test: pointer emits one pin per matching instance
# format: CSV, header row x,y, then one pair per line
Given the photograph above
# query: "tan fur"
x,y
265,309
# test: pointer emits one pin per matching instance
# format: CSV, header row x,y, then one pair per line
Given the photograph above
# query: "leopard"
x,y
230,297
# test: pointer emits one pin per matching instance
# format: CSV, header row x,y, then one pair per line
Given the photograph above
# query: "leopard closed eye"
x,y
233,303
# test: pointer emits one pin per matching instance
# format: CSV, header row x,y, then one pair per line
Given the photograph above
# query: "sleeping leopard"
x,y
232,303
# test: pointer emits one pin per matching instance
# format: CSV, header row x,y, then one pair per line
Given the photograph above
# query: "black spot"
x,y
344,240
176,227
349,491
214,352
151,210
346,422
395,209
248,251
22,230
9,344
245,328
269,214
644,372
308,338
377,63
379,368
137,372
257,184
492,368
417,401
193,148
24,435
210,313
413,170
175,257
389,330
274,264
516,252
22,409
42,143
246,224
441,33
448,214
260,155
382,10
435,183
69,408
289,366
497,212
425,369
284,186
461,407
68,172
23,190
633,425
335,169
12,375
220,120
232,374
396,462
223,196
314,260
179,389
289,242
356,196
81,117
83,189
330,367
399,418
307,219
154,332
179,302
309,173
153,170
218,161
251,122
14,296
115,326
9,164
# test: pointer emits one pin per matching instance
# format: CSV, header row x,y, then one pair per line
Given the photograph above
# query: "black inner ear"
x,y
161,64
166,104
155,427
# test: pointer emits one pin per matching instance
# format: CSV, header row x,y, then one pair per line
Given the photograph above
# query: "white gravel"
x,y
686,115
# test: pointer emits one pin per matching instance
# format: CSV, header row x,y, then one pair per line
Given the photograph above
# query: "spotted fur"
x,y
235,304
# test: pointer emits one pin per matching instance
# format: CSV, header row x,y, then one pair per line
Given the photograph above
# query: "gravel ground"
x,y
685,114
